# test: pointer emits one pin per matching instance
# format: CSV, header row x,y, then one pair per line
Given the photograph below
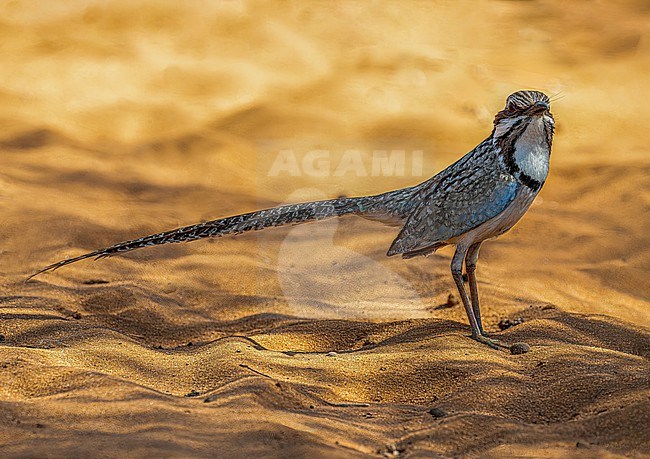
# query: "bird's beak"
x,y
541,106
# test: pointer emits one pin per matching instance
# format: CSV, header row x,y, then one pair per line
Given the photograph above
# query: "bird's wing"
x,y
465,196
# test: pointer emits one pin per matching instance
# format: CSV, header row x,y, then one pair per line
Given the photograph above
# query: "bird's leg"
x,y
470,266
457,273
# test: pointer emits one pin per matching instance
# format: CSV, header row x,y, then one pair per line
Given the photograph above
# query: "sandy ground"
x,y
120,120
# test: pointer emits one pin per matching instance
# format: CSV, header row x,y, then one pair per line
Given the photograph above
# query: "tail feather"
x,y
277,216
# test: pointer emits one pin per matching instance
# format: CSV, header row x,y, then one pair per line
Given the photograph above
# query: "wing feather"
x,y
467,194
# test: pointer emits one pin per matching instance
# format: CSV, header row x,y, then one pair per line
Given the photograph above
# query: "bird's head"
x,y
523,107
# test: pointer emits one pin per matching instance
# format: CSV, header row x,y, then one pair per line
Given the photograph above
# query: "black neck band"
x,y
507,147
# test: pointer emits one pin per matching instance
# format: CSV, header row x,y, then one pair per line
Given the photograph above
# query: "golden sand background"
x,y
120,119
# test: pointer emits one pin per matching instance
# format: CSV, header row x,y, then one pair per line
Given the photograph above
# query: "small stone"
x,y
504,324
437,413
2,338
331,354
392,450
95,281
76,315
450,303
519,348
193,393
451,300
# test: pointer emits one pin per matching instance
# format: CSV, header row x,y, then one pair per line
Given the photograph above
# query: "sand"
x,y
121,120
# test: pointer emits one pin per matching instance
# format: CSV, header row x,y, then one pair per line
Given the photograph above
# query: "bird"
x,y
479,197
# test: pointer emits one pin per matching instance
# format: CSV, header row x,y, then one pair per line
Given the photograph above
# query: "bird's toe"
x,y
493,343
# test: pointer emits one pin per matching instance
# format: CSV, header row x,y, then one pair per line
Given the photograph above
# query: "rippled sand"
x,y
121,120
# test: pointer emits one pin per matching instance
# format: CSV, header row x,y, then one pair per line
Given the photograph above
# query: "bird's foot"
x,y
493,343
515,349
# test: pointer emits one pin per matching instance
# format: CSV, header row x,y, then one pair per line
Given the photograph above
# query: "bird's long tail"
x,y
277,216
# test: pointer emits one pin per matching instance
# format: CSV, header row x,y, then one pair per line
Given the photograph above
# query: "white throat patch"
x,y
531,151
